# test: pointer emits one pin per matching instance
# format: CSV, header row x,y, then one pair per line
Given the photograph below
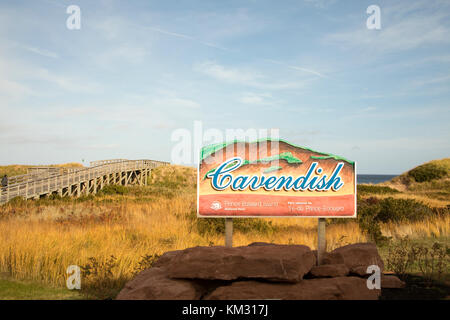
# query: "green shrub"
x,y
427,172
146,262
98,280
17,201
83,198
364,189
247,225
244,225
373,211
402,210
171,178
114,189
210,225
400,258
391,209
162,191
368,212
432,261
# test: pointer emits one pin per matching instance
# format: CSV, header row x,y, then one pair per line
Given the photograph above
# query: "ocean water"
x,y
373,178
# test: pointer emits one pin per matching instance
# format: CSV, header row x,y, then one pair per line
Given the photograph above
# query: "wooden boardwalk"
x,y
45,181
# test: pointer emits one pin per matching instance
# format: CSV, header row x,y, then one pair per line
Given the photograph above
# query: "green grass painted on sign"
x,y
210,149
272,169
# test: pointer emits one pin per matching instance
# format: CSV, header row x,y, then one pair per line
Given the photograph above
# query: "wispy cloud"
x,y
396,143
185,36
56,3
233,75
245,77
42,52
64,82
320,3
16,74
120,55
252,98
12,89
176,103
431,81
399,32
307,70
117,27
30,138
103,146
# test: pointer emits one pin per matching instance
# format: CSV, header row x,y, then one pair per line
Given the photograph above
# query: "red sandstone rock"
x,y
285,263
261,244
166,258
331,258
153,284
360,271
342,288
360,255
329,270
190,273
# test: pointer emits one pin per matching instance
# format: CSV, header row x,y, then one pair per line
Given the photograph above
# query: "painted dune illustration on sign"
x,y
274,178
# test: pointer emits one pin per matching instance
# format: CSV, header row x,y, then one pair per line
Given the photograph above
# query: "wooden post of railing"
x,y
59,187
78,184
87,183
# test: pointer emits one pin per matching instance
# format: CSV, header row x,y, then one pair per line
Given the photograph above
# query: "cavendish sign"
x,y
274,178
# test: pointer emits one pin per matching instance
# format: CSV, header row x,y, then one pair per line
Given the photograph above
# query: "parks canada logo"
x,y
215,205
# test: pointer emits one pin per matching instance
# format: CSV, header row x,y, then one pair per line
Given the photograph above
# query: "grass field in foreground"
x,y
40,239
11,289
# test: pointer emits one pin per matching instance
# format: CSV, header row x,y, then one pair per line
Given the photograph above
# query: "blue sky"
x,y
138,70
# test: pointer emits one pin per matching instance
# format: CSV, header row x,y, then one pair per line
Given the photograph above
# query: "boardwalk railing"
x,y
78,181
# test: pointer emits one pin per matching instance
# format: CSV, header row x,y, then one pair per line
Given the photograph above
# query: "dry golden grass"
x,y
38,242
431,202
41,245
429,227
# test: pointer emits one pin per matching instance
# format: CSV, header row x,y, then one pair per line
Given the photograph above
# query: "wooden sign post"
x,y
321,241
228,232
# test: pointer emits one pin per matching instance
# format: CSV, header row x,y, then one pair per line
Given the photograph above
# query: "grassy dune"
x,y
40,239
429,183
